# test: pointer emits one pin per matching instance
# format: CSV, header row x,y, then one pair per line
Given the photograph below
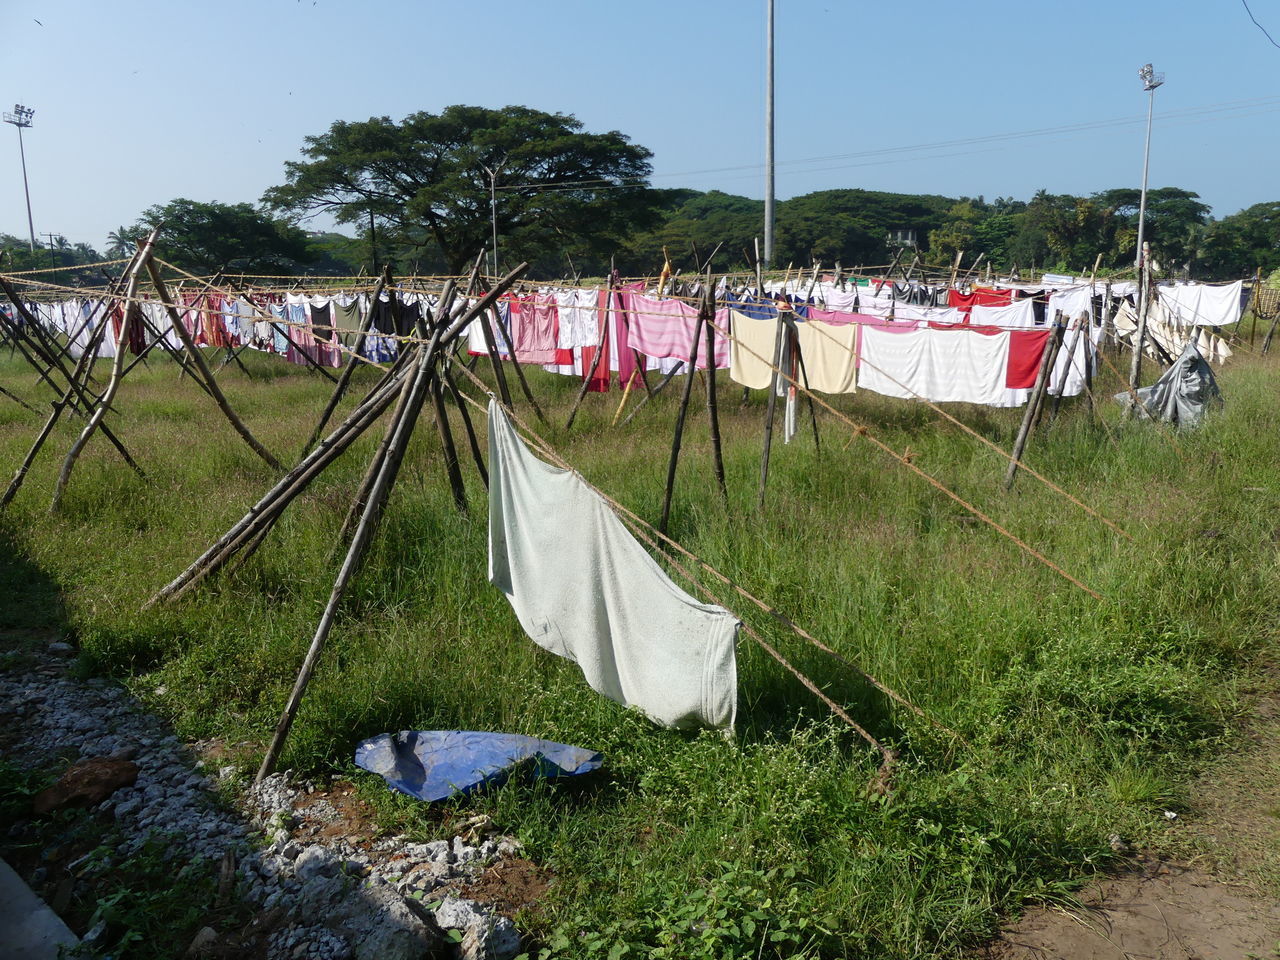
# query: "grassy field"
x,y
1082,718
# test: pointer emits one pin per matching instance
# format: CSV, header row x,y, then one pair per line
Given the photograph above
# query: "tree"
x,y
1175,224
120,242
559,190
1238,244
221,237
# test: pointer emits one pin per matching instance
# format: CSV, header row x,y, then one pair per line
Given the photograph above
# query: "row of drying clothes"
x,y
303,329
979,354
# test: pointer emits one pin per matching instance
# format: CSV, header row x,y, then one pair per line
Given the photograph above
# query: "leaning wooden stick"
x,y
113,384
352,360
679,432
355,553
272,504
1028,418
708,311
197,358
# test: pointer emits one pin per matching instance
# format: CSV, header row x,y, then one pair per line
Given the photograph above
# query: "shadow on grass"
x,y
32,610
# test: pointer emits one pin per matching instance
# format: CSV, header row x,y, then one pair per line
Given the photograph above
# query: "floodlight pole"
x,y
1150,80
1142,258
20,118
768,136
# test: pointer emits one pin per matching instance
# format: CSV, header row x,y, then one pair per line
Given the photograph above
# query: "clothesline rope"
x,y
973,433
863,431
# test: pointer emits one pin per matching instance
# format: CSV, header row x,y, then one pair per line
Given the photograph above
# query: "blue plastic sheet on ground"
x,y
438,764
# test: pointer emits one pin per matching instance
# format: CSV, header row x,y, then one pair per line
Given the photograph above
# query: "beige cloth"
x,y
752,354
1171,333
830,355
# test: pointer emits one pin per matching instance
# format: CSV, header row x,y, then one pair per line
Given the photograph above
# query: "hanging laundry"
x,y
583,588
1015,316
1203,304
579,322
830,355
751,355
942,365
665,328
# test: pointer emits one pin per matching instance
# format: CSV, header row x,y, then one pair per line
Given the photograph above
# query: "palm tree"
x,y
120,242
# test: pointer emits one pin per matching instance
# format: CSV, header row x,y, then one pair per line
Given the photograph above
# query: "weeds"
x,y
1084,719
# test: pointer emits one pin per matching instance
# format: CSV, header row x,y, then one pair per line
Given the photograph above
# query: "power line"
x,y
1189,114
1258,25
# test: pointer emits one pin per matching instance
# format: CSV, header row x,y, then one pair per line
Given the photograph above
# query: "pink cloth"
x,y
622,354
665,328
533,329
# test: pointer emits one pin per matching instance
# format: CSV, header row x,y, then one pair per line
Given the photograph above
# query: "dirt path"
x,y
1219,901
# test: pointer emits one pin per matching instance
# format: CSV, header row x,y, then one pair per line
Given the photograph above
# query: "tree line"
x,y
424,193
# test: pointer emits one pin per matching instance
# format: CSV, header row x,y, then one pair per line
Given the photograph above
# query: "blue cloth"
x,y
437,764
750,306
279,339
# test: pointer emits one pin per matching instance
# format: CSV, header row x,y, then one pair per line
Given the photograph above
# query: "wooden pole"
x,y
355,553
1144,304
679,433
67,399
595,361
515,363
276,500
770,407
344,379
679,365
446,443
113,385
1071,356
472,441
1042,381
202,368
713,411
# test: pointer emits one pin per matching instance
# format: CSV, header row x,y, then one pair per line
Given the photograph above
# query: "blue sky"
x,y
138,102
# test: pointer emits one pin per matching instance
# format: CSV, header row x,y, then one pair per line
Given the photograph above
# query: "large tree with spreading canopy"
x,y
425,181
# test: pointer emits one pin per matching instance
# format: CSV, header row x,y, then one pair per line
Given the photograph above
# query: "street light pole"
x,y
493,207
1142,258
1150,80
20,118
768,135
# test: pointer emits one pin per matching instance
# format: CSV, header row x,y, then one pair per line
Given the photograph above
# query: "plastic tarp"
x,y
437,764
1182,394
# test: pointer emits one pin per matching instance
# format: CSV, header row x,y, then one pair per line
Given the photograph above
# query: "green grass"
x,y
1083,718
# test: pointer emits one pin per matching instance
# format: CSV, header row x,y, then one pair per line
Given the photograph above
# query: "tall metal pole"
x,y
1142,257
1146,162
21,117
768,136
493,207
31,226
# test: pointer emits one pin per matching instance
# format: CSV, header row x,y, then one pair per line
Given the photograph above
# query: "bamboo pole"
x,y
713,411
344,379
770,407
205,374
595,361
515,363
472,441
86,359
355,553
113,385
679,432
276,500
1042,382
679,365
446,442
